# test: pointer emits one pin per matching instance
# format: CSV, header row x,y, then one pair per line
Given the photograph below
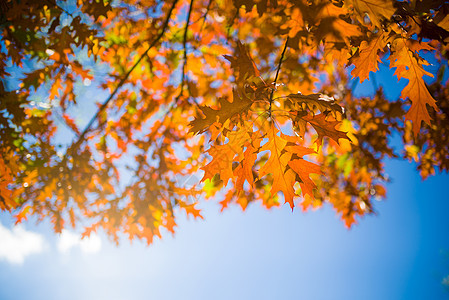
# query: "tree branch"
x,y
277,74
204,16
184,44
82,137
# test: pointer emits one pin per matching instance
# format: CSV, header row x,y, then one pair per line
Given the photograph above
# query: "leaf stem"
x,y
277,74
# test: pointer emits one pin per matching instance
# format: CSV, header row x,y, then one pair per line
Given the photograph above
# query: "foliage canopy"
x,y
255,96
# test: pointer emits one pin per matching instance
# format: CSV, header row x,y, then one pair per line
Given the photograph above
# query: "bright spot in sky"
x,y
69,240
16,244
362,205
86,81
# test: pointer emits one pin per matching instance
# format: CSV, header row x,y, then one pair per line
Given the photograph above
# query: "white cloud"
x,y
70,239
16,244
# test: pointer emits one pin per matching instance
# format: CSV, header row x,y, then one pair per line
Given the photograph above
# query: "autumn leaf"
x,y
410,66
242,63
368,57
227,200
244,170
191,210
325,126
283,179
96,8
6,201
376,9
316,103
223,156
295,23
303,168
332,28
227,110
71,123
262,5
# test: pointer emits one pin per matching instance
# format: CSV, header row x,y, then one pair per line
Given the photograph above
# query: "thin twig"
x,y
123,80
172,104
184,44
277,74
204,16
398,22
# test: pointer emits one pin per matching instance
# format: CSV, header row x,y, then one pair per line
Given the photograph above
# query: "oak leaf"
x,y
410,66
6,178
190,210
325,126
316,103
376,9
223,156
303,168
332,28
368,57
227,110
244,170
283,178
242,63
296,23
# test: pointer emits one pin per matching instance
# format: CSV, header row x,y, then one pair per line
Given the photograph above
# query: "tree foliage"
x,y
254,96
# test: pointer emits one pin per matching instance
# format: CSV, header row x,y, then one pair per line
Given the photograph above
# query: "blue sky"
x,y
400,253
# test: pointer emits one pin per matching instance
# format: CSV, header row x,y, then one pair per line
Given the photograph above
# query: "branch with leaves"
x,y
302,137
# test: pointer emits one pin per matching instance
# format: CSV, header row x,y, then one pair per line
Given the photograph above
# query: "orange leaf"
x,y
316,103
191,210
242,63
324,128
368,57
71,123
244,171
332,28
227,110
303,168
409,65
6,178
295,23
376,9
223,156
283,179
